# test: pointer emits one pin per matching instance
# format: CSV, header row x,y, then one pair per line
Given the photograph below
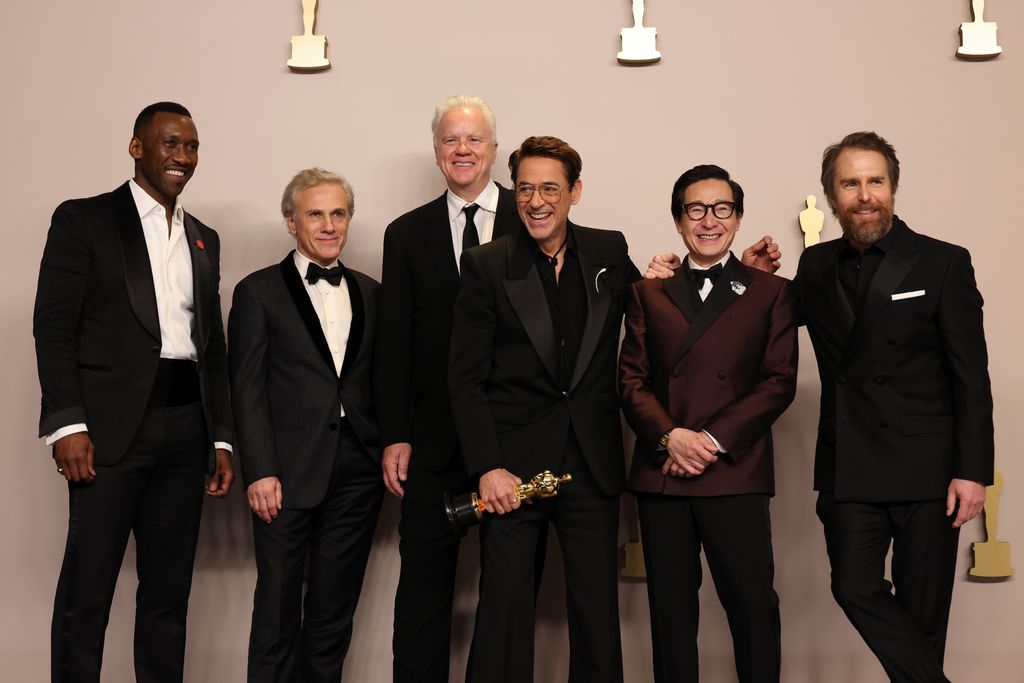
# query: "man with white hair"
x,y
421,457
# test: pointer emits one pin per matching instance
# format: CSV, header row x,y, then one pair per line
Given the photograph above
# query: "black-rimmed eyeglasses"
x,y
697,210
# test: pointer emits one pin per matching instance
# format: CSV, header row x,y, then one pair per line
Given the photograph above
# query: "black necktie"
x,y
712,273
470,237
315,272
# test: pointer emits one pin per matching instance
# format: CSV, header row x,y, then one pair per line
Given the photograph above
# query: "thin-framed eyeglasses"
x,y
549,192
473,142
697,210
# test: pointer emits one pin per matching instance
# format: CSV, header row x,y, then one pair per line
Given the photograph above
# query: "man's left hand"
x,y
971,498
223,475
763,254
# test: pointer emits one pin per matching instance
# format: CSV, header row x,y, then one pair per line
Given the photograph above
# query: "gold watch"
x,y
663,442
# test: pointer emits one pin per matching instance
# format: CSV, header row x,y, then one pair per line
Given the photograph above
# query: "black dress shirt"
x,y
856,270
567,302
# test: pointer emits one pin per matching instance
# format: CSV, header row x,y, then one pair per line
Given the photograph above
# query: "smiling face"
x,y
465,150
546,220
863,198
708,240
320,222
166,154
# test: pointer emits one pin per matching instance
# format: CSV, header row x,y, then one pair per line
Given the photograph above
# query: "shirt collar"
x,y
145,204
570,243
486,200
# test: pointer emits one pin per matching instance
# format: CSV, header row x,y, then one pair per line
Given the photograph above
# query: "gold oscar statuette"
x,y
992,558
309,52
466,510
812,219
978,37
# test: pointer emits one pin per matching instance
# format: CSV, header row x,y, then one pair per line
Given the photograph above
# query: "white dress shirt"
x,y
487,200
334,309
171,264
703,293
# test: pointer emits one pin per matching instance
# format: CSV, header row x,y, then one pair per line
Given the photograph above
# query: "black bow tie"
x,y
316,272
712,273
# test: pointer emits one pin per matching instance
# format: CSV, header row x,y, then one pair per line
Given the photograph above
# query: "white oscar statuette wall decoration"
x,y
978,37
309,52
812,219
638,43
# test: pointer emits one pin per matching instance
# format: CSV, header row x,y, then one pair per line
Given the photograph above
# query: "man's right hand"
x,y
663,266
74,457
395,463
498,491
265,498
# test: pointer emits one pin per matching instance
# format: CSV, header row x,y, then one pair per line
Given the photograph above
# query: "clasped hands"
x,y
689,453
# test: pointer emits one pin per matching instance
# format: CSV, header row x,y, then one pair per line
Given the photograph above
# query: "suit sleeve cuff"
x,y
721,449
56,435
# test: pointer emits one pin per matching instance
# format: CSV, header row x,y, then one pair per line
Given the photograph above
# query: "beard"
x,y
866,233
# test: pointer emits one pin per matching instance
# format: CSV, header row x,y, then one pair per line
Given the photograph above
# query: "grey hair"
x,y
311,177
456,101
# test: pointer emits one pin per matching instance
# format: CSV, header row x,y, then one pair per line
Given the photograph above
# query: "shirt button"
x,y
721,375
841,380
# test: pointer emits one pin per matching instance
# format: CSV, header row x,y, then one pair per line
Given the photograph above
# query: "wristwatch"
x,y
663,442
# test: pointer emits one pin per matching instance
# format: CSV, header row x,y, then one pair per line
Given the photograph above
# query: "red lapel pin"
x,y
199,243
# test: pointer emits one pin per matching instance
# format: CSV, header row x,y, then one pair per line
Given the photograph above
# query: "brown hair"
x,y
868,140
552,148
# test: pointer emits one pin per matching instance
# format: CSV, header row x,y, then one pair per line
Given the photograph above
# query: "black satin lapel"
x,y
729,287
293,281
891,272
527,298
138,274
840,307
355,331
598,303
202,287
680,290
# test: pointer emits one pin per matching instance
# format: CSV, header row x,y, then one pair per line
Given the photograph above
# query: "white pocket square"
x,y
908,295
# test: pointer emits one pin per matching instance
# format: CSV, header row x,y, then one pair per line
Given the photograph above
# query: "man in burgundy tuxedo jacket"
x,y
708,364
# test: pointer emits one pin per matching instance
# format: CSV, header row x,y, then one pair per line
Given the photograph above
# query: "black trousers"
x,y
906,629
426,586
735,533
586,521
293,639
155,492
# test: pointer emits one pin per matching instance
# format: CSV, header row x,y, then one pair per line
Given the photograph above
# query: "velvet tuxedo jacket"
x,y
420,282
285,390
97,330
727,365
508,408
906,402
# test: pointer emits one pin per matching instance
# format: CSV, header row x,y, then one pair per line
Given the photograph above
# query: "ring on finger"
x,y
60,470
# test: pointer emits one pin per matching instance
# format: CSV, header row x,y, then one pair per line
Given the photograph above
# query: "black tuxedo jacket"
x,y
96,326
508,408
420,283
906,403
284,388
727,365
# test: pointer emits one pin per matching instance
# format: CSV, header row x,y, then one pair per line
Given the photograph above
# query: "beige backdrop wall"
x,y
758,87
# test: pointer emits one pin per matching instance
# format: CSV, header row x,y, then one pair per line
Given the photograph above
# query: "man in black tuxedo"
x,y
130,349
533,388
301,335
905,440
422,458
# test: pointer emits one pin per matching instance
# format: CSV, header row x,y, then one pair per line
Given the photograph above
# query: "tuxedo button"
x,y
334,426
890,342
880,380
841,380
156,349
721,375
675,373
883,424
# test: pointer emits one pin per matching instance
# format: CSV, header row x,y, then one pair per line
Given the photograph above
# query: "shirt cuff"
x,y
714,441
56,435
224,445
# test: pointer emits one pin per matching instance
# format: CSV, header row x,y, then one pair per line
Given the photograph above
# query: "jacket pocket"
x,y
926,424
